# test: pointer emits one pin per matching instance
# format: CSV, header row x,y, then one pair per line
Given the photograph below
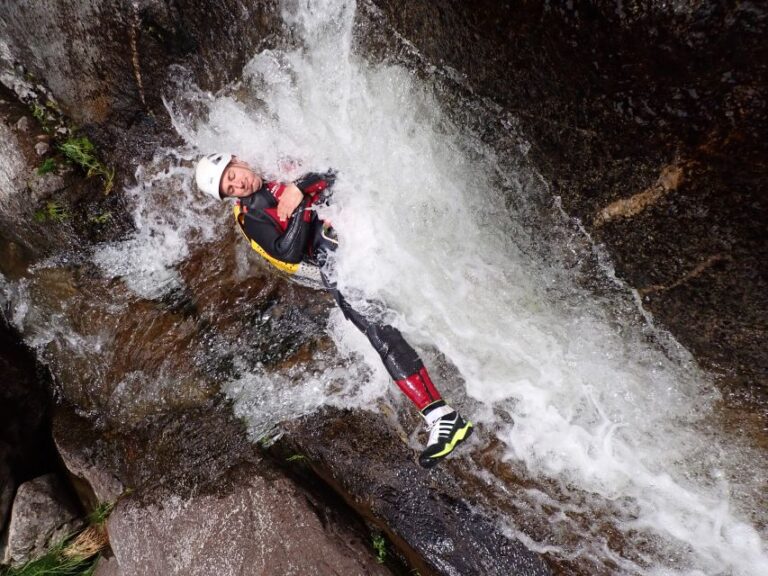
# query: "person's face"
x,y
239,180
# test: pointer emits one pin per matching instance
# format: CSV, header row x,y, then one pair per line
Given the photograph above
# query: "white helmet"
x,y
208,173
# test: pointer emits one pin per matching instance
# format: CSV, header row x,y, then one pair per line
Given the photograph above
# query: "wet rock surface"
x,y
256,522
194,496
139,411
426,514
82,452
44,513
614,96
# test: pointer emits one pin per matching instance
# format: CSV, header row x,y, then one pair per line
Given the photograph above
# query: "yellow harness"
x,y
304,273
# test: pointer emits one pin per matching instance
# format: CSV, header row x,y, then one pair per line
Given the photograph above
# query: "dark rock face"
x,y
25,446
43,212
106,61
6,488
650,121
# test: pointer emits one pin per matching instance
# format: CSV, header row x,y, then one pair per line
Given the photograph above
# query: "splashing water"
x,y
422,209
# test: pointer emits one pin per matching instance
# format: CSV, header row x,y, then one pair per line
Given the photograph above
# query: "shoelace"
x,y
441,429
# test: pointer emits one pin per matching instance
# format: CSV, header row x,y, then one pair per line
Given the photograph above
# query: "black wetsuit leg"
x,y
400,359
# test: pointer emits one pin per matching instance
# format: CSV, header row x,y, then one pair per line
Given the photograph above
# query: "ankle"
x,y
435,411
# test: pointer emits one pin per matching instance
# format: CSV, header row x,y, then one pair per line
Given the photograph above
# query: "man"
x,y
277,220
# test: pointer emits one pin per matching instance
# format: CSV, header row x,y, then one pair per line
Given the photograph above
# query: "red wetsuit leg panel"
x,y
419,389
400,359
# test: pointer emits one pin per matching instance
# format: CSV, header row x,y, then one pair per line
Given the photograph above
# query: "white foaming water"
x,y
425,229
165,221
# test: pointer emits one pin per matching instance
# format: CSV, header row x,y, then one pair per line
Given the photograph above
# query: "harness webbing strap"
x,y
279,264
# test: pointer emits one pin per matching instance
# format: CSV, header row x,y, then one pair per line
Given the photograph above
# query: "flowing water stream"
x,y
608,416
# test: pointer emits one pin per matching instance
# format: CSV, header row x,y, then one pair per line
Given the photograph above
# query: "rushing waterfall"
x,y
608,413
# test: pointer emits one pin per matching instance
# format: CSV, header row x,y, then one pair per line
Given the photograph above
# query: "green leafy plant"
x,y
48,165
296,458
45,115
39,114
75,555
267,439
81,152
78,150
380,546
53,212
56,562
102,218
100,514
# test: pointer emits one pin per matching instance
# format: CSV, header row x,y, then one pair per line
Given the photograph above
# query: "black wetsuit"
x,y
302,239
286,242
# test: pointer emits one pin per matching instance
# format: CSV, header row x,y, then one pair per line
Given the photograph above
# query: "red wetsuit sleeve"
x,y
276,189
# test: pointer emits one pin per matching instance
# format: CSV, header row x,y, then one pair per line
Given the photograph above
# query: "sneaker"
x,y
446,431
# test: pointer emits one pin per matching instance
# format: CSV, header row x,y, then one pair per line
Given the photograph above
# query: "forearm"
x,y
291,245
287,246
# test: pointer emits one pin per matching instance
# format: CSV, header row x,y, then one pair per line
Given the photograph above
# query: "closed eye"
x,y
230,176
